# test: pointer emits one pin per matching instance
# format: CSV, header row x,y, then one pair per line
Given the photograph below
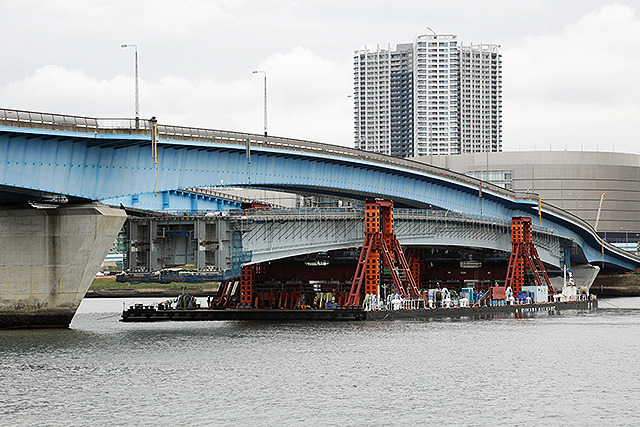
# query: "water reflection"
x,y
571,366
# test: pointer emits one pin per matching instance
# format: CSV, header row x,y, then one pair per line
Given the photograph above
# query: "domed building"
x,y
572,180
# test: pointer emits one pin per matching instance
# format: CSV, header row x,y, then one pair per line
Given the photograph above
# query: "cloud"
x,y
576,88
572,83
53,88
307,97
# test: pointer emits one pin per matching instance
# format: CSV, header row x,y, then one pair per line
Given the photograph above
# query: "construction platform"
x,y
149,313
385,286
485,311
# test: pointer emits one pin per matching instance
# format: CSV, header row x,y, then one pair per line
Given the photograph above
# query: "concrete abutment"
x,y
48,259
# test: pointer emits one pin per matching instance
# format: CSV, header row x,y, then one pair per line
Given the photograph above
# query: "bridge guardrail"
x,y
275,214
22,118
108,125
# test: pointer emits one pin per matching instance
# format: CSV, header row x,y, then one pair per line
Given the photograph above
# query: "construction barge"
x,y
151,313
384,287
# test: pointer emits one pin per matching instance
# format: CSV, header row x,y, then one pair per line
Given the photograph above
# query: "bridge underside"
x,y
112,165
225,242
175,201
58,164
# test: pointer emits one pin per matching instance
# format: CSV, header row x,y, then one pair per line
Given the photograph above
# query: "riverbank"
x,y
617,285
612,285
107,287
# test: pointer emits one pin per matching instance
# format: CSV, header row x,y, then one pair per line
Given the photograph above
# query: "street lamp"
x,y
265,99
137,95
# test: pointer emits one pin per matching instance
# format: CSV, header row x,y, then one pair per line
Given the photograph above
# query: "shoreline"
x,y
107,287
617,285
149,292
622,285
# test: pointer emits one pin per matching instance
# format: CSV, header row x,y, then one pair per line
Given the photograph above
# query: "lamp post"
x,y
265,98
135,47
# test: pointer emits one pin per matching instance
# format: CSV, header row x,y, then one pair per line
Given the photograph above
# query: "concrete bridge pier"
x,y
48,259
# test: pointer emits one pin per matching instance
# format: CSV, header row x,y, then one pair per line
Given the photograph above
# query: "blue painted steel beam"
x,y
174,201
115,166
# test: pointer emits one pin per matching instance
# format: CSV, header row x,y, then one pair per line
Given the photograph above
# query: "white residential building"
x,y
372,104
435,96
480,98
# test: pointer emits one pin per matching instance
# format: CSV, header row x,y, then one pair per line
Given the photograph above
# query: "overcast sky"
x,y
570,67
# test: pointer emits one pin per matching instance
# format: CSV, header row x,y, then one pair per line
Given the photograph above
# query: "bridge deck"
x,y
92,158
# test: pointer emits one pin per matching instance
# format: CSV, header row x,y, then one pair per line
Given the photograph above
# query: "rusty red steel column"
x,y
380,248
524,255
247,275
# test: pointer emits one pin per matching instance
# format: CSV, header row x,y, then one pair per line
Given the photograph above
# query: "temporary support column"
x,y
524,255
387,224
413,256
380,244
372,269
247,276
515,270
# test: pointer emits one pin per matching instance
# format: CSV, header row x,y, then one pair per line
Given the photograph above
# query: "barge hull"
x,y
140,313
151,314
486,311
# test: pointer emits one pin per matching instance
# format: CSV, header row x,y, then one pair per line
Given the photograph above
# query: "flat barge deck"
x,y
149,313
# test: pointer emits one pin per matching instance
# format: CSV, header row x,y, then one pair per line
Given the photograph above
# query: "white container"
x,y
540,293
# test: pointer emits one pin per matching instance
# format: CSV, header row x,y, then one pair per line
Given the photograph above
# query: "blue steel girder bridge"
x,y
87,159
210,241
286,233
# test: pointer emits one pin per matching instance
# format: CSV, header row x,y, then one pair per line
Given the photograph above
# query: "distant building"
x,y
571,180
383,100
433,96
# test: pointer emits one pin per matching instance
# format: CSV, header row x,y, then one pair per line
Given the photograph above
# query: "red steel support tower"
x,y
524,256
413,257
247,275
381,248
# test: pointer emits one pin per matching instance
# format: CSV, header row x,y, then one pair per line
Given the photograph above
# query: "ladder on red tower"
x,y
381,248
524,255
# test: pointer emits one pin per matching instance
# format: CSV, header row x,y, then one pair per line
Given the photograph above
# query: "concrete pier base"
x,y
48,259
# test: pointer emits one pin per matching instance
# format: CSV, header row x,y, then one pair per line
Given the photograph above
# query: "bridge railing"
x,y
23,118
20,118
301,214
113,125
211,192
294,214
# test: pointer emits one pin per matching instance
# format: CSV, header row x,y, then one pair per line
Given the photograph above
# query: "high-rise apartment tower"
x,y
435,96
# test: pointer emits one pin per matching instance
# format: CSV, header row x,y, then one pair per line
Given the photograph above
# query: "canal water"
x,y
566,369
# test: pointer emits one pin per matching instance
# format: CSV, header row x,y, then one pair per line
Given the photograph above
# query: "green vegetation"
x,y
107,286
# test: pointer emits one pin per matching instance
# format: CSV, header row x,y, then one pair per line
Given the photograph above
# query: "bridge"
x,y
216,242
87,159
51,160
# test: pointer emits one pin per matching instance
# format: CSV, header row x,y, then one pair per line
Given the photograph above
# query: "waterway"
x,y
566,369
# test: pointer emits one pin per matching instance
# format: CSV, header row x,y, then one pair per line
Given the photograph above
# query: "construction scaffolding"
x,y
524,258
380,249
